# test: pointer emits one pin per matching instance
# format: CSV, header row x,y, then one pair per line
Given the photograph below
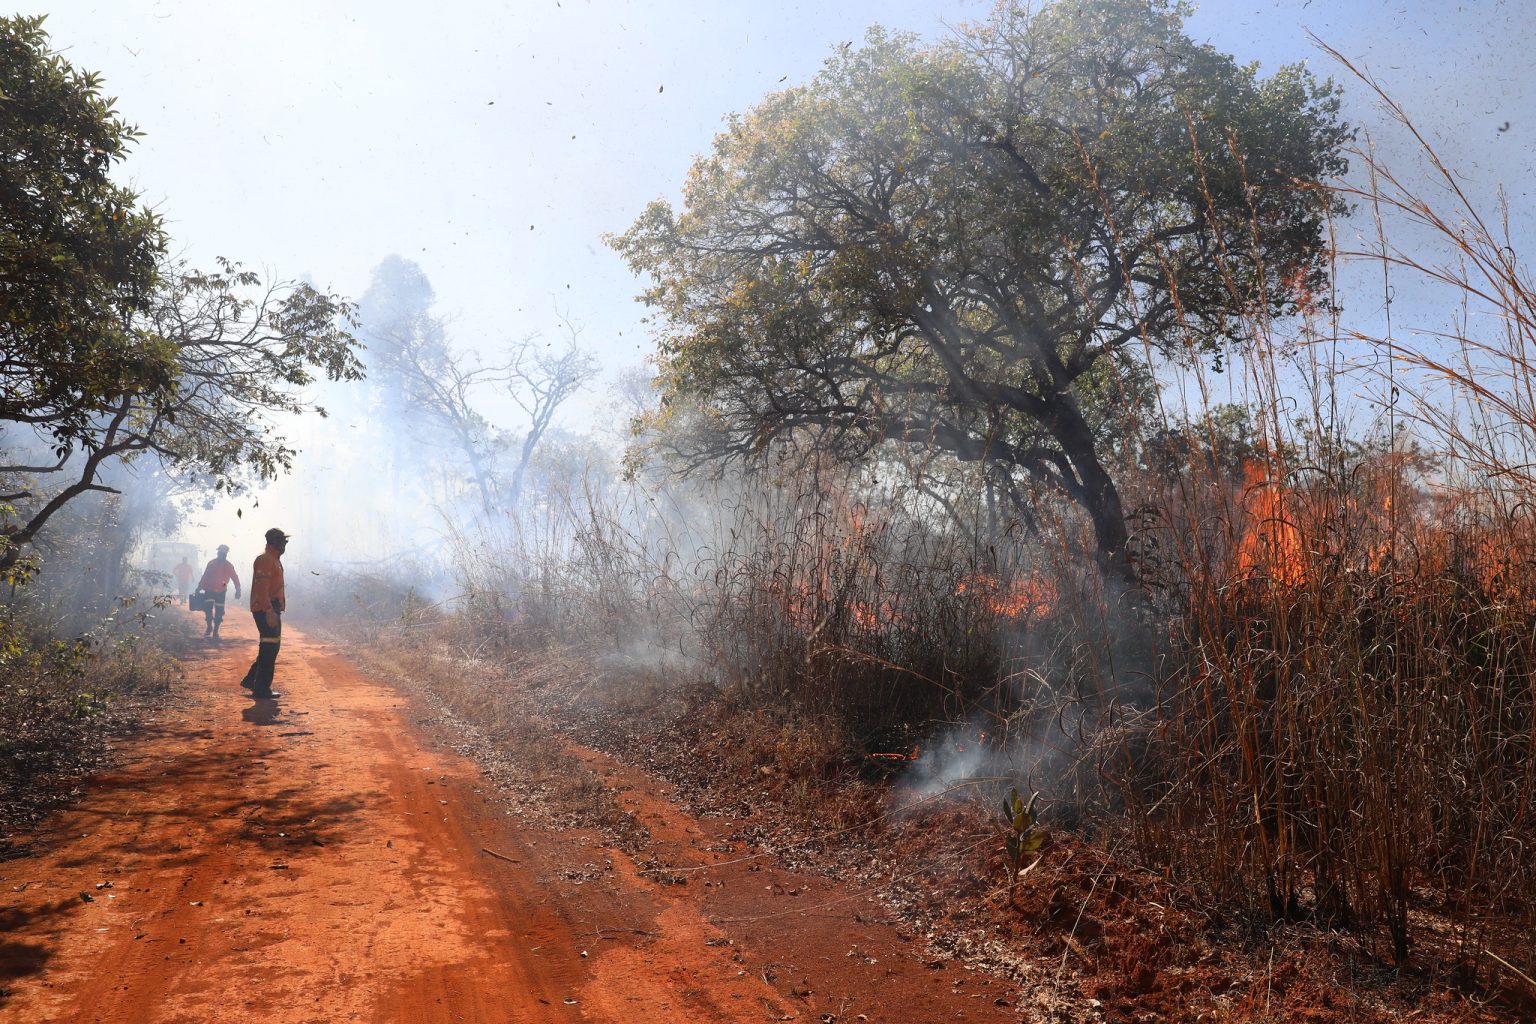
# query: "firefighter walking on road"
x,y
267,603
219,574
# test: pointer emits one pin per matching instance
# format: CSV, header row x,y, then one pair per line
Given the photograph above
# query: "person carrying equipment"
x,y
267,603
219,574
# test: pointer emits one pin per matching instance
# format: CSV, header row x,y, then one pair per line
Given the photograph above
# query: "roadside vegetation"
x,y
62,703
935,506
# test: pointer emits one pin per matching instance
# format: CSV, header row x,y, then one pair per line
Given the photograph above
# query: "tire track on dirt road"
x,y
315,859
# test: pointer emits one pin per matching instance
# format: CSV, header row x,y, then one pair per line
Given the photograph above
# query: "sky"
x,y
496,143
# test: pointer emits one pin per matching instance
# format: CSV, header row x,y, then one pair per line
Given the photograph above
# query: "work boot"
x,y
215,632
265,695
208,631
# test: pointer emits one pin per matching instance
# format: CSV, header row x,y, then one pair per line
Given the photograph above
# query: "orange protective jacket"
x,y
219,574
267,582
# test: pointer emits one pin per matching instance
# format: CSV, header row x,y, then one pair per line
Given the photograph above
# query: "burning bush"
x,y
1350,721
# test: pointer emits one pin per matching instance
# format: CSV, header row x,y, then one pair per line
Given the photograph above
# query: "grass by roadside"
x,y
66,703
1092,932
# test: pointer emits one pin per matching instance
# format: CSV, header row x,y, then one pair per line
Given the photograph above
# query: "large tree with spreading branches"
x,y
977,244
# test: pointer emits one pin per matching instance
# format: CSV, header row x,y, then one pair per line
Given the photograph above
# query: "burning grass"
x,y
1347,736
1330,750
1309,737
1337,736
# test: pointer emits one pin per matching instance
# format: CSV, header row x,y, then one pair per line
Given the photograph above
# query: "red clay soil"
x,y
320,858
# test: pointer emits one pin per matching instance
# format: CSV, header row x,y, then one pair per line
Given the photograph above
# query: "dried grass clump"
x,y
61,701
1346,727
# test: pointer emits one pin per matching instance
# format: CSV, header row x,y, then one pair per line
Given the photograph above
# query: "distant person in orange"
x,y
219,574
267,603
183,574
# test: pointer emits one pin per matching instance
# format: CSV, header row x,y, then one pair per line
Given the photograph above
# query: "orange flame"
x,y
913,756
1271,544
1017,599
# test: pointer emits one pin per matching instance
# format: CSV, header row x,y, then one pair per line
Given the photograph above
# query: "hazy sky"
x,y
495,143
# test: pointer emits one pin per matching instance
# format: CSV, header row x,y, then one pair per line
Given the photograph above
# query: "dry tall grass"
x,y
1325,706
1348,728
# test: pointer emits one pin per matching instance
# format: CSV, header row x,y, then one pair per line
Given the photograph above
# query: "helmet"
x,y
276,536
223,550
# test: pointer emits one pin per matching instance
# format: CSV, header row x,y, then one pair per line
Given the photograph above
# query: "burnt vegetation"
x,y
925,506
930,497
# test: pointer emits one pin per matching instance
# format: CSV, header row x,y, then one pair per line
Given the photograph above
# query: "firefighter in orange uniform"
x,y
267,603
183,574
218,575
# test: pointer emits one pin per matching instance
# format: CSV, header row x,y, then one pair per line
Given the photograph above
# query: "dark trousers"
x,y
259,676
213,607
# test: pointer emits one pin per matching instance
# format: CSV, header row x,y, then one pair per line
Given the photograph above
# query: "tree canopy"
x,y
240,351
109,353
78,253
972,244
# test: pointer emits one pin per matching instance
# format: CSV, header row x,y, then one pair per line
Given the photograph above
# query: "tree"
x,y
425,382
971,244
539,380
421,381
78,255
239,351
108,354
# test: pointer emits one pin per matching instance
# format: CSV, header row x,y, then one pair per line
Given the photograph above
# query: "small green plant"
x,y
1021,837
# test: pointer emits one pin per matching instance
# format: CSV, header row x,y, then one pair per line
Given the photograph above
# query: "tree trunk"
x,y
1129,645
115,549
1099,496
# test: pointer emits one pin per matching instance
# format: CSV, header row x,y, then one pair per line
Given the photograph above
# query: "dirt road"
x,y
320,858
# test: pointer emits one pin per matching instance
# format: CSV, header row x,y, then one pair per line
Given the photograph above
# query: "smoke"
x,y
958,755
442,460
